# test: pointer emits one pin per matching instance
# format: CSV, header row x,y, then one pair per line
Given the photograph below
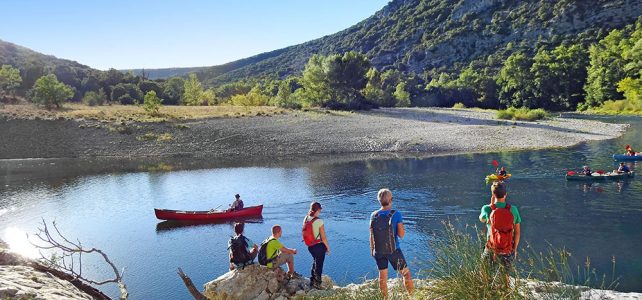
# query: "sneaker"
x,y
316,285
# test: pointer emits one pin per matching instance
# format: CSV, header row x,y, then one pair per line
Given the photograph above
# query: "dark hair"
x,y
498,189
314,207
276,229
237,196
239,227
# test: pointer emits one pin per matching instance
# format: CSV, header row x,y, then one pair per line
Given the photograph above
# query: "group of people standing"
x,y
386,231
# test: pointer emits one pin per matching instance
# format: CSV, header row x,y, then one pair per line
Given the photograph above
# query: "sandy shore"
x,y
425,131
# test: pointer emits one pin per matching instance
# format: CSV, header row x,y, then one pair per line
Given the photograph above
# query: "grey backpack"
x,y
383,233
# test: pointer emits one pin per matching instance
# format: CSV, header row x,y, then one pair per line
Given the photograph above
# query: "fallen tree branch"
x,y
190,286
69,260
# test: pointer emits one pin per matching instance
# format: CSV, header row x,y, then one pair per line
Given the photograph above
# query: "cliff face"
x,y
442,35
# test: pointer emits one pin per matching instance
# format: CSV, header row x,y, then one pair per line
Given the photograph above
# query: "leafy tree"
x,y
126,93
152,103
253,98
173,90
193,91
606,69
336,81
402,96
90,83
226,91
515,81
92,98
10,81
146,85
286,97
48,91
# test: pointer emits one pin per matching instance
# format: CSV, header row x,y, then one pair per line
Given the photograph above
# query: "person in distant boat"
x,y
586,171
237,204
629,152
501,171
241,249
623,169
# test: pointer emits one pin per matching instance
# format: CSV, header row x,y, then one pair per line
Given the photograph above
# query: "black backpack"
x,y
238,249
383,234
263,258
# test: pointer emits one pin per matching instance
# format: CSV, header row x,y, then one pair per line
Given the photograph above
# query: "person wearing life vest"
x,y
317,242
504,227
386,229
586,171
242,250
622,169
501,171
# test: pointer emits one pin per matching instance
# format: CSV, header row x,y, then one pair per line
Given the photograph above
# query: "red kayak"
x,y
168,214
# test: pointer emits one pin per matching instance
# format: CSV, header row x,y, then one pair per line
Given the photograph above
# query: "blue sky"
x,y
156,34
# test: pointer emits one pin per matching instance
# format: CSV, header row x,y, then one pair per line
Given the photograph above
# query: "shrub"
x,y
92,98
459,105
152,103
522,114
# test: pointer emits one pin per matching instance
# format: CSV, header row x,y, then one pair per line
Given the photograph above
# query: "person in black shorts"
x,y
385,223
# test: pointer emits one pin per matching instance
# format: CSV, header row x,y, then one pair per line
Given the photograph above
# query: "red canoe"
x,y
168,214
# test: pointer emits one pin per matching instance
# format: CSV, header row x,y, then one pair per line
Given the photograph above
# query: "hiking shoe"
x,y
294,275
316,285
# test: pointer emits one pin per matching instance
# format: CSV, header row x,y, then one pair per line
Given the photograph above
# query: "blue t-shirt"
x,y
396,219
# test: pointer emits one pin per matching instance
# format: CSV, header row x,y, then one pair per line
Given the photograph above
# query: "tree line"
x,y
564,77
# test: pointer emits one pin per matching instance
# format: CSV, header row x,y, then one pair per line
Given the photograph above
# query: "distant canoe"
x,y
493,177
186,215
626,157
610,176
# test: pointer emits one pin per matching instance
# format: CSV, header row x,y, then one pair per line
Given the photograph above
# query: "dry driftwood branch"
x,y
190,286
69,260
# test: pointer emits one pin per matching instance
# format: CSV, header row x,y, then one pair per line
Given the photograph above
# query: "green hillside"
x,y
430,36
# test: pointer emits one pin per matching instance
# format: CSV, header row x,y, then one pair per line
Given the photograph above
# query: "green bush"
x,y
459,105
521,114
92,98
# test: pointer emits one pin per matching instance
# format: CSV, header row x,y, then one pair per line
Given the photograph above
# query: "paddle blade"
x,y
495,163
570,173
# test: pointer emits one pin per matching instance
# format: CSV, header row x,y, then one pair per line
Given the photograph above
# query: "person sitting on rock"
x,y
237,204
242,250
278,255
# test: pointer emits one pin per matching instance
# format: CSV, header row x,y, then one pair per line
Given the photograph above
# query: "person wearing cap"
x,y
237,204
499,194
320,246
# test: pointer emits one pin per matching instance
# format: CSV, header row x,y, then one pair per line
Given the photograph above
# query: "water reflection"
x,y
178,225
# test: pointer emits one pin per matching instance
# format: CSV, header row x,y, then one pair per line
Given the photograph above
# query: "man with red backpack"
x,y
503,222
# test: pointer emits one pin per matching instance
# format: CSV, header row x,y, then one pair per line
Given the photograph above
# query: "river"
x,y
111,208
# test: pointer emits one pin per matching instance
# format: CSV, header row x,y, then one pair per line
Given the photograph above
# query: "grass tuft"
x,y
522,114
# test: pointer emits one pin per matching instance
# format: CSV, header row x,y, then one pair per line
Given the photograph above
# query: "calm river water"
x,y
112,209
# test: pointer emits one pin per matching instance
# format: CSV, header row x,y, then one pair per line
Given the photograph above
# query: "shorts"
x,y
282,259
505,259
396,259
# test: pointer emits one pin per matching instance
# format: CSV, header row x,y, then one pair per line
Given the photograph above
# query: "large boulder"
x,y
255,282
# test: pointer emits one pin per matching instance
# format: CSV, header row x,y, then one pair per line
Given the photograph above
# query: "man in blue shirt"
x,y
394,256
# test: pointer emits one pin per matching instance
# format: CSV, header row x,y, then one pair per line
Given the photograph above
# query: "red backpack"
x,y
308,233
500,239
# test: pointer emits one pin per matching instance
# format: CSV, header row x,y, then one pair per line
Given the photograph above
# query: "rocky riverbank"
x,y
419,131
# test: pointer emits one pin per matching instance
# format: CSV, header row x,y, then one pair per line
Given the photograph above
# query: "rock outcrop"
x,y
258,282
22,278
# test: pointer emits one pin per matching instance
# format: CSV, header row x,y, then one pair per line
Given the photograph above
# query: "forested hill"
x,y
34,64
431,36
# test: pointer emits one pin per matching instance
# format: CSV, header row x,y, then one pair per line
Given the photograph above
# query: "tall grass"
x,y
521,114
619,107
459,272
